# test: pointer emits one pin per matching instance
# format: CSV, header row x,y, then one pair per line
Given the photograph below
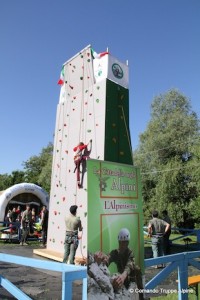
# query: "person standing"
x,y
166,241
25,224
44,224
12,220
157,228
13,215
73,226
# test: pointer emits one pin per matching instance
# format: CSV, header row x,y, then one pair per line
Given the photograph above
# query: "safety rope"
x,y
55,162
93,110
127,132
81,129
81,246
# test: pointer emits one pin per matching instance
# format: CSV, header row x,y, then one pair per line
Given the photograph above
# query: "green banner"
x,y
114,202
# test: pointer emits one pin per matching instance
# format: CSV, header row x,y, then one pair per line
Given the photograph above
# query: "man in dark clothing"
x,y
44,224
166,241
73,226
157,228
13,218
25,224
13,215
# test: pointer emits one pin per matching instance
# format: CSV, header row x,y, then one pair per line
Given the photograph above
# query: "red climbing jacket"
x,y
78,149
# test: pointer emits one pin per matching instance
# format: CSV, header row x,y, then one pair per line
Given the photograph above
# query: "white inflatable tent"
x,y
20,188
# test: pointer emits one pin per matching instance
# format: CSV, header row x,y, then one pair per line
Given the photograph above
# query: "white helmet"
x,y
124,235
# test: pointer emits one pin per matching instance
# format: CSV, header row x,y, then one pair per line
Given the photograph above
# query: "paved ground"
x,y
36,283
46,285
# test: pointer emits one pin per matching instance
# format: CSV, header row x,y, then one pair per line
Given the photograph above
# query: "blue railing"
x,y
185,233
180,262
69,274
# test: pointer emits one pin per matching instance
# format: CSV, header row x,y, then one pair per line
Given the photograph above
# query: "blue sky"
x,y
160,40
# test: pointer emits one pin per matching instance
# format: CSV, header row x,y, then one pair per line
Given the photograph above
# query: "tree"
x,y
5,181
38,168
168,159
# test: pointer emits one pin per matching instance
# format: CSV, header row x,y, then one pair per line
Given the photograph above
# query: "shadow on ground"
x,y
47,285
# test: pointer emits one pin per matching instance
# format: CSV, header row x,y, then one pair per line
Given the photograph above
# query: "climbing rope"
x,y
127,132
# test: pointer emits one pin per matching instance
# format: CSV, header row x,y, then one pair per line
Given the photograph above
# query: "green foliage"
x,y
169,159
5,181
8,180
37,170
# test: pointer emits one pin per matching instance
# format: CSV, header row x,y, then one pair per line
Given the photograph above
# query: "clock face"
x,y
117,71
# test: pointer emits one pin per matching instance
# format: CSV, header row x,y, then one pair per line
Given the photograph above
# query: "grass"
x,y
179,241
174,296
179,246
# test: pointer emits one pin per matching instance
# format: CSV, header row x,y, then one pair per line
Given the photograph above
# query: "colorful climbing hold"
x,y
114,140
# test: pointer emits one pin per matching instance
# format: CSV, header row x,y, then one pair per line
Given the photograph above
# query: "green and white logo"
x,y
117,71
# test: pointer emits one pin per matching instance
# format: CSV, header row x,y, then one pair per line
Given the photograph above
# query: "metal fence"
x,y
180,262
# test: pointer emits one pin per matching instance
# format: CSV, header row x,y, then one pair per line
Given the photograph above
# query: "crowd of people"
x,y
26,220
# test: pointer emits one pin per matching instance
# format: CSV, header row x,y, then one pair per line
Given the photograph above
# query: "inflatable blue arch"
x,y
20,188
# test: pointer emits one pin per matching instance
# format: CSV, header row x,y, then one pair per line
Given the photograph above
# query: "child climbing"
x,y
81,155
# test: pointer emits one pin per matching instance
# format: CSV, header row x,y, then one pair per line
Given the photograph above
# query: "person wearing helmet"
x,y
123,257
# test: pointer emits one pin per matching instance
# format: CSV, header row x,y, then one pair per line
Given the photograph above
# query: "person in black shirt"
x,y
44,224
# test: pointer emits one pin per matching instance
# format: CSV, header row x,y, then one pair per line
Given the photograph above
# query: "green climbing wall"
x,y
117,135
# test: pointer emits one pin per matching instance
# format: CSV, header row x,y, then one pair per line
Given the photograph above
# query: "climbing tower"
x,y
93,106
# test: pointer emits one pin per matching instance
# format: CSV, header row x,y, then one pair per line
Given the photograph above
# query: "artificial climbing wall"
x,y
93,105
117,136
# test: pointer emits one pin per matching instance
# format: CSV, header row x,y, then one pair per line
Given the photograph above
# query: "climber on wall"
x,y
80,157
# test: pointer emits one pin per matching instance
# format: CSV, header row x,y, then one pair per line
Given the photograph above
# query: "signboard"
x,y
114,202
111,68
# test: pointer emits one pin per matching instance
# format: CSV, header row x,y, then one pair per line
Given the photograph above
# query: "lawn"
x,y
179,245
